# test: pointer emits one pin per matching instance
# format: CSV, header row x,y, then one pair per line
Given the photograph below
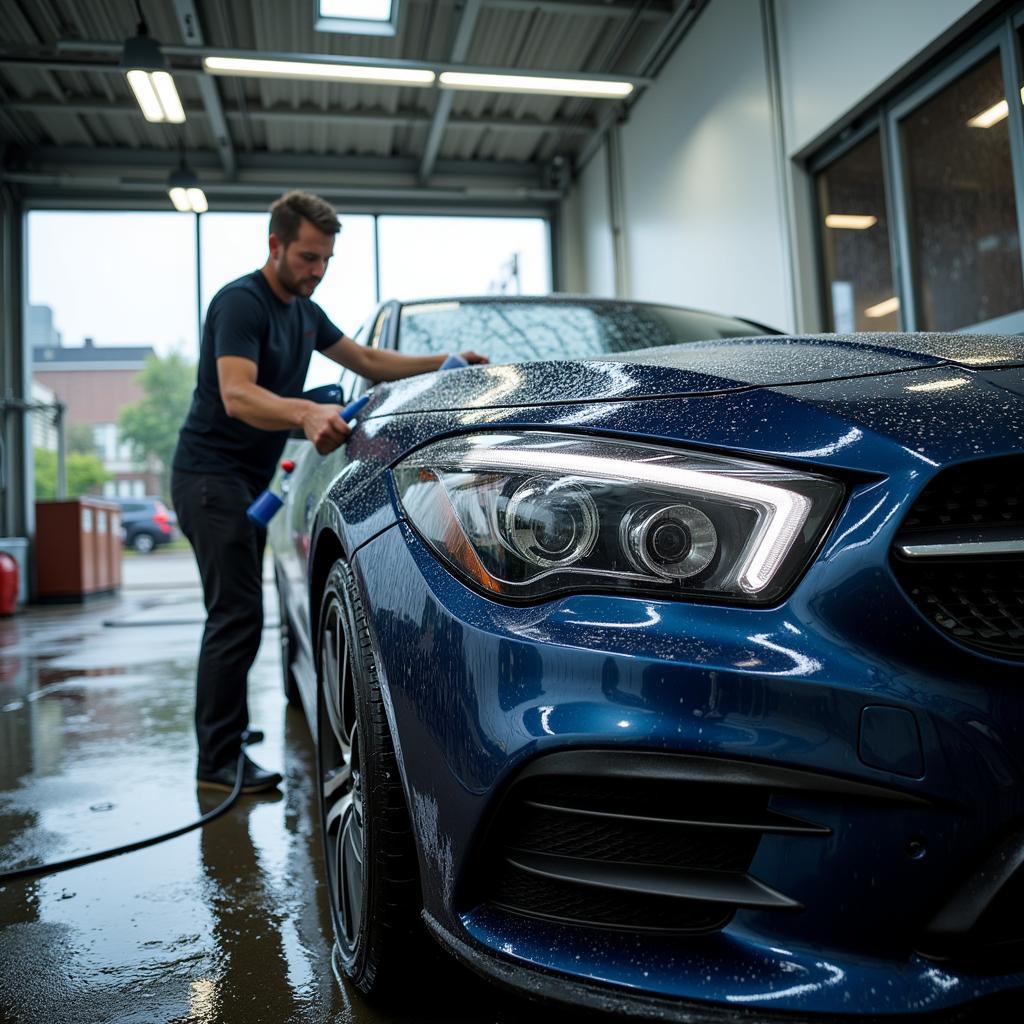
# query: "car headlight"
x,y
528,515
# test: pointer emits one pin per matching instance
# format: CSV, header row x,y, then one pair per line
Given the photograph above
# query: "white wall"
x,y
703,207
598,263
571,261
701,197
833,53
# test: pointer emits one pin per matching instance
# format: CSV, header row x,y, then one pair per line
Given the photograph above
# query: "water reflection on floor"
x,y
227,924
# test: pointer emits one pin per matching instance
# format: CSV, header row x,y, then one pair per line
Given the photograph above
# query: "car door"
x,y
309,482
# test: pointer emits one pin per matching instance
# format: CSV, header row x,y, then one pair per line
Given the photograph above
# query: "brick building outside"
x,y
95,383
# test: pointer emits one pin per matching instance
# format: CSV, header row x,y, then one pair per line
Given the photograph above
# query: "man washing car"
x,y
259,335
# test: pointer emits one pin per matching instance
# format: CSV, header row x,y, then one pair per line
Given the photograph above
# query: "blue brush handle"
x,y
264,508
354,408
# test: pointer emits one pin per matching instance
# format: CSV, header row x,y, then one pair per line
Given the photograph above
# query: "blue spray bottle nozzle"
x,y
264,508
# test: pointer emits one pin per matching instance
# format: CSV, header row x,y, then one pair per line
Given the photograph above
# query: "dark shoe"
x,y
254,780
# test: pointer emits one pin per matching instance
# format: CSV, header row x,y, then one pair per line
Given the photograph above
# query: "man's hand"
x,y
323,425
473,357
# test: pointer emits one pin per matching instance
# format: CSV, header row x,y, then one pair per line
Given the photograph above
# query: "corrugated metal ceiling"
x,y
53,109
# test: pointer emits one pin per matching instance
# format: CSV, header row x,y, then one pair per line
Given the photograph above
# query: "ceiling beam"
x,y
192,33
314,115
608,9
460,47
485,192
118,159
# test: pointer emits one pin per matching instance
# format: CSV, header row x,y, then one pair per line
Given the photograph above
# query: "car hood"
x,y
695,368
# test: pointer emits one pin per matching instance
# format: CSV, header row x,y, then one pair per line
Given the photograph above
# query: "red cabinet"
x,y
78,549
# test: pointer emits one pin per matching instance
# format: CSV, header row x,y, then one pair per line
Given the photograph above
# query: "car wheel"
x,y
373,883
143,543
288,649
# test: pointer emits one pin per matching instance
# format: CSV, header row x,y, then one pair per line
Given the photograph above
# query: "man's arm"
x,y
380,364
245,400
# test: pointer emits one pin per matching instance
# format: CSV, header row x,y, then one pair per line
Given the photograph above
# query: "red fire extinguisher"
x,y
8,584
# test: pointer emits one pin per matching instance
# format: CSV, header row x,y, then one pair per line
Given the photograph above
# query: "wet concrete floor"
x,y
226,924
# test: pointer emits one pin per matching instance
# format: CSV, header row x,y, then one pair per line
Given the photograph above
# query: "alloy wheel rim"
x,y
341,781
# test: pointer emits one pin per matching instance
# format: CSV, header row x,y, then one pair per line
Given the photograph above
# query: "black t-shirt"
x,y
247,319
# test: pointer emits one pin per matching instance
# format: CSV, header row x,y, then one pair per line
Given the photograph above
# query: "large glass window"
x,y
860,293
233,244
120,279
962,213
430,257
107,292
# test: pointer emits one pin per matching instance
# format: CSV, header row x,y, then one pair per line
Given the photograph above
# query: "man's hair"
x,y
287,214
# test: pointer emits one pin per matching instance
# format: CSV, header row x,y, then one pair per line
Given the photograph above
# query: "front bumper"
x,y
478,691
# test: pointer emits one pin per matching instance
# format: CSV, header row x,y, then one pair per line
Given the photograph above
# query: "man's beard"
x,y
295,285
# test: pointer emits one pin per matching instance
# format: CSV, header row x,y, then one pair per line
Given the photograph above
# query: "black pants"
x,y
229,550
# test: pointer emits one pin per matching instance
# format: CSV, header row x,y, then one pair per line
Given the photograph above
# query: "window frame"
x,y
825,159
1001,38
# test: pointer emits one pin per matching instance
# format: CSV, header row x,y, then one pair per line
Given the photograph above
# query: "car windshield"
x,y
520,332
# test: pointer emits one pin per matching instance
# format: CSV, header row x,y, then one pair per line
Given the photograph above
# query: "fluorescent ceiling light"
x,y
850,221
156,96
883,308
186,195
188,200
368,75
362,17
993,115
544,85
147,74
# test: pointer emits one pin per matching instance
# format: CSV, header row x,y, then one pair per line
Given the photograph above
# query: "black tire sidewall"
x,y
381,925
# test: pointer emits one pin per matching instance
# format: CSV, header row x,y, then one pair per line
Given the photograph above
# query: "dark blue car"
x,y
671,667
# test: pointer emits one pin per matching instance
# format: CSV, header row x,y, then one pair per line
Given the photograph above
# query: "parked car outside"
x,y
146,523
676,672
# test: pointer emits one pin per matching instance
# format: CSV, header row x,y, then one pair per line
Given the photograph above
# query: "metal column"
x,y
16,483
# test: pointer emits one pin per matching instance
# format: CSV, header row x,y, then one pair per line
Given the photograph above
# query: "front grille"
x,y
977,495
981,605
976,599
637,842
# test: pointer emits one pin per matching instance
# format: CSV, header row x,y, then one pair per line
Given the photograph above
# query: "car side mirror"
x,y
326,394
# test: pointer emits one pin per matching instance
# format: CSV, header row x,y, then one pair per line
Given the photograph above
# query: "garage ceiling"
x,y
71,131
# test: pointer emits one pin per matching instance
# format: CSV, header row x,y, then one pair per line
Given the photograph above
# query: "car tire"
x,y
143,543
288,649
372,875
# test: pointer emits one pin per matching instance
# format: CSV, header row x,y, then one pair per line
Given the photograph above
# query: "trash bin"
x,y
73,549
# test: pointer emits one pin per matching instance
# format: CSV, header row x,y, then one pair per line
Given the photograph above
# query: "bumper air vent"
x,y
642,842
983,919
959,555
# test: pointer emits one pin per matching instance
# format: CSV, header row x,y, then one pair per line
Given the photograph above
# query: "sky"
x,y
129,278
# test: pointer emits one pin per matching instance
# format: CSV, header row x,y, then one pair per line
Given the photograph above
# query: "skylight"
x,y
362,17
